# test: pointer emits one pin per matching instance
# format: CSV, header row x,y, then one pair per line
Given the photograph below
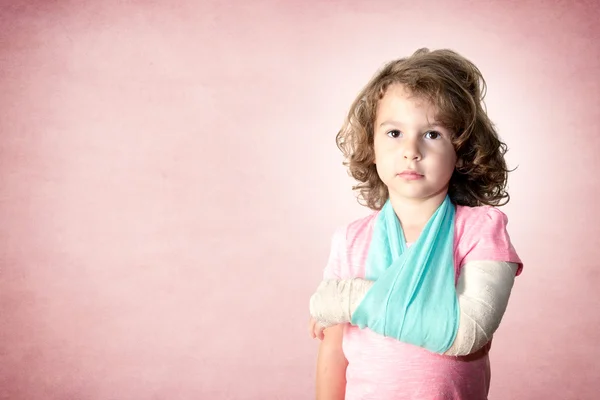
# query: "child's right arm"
x,y
331,361
331,365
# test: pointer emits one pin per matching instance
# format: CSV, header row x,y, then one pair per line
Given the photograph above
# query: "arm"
x,y
483,292
331,361
331,366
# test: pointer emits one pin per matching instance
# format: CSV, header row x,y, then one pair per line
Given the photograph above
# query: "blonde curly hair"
x,y
456,87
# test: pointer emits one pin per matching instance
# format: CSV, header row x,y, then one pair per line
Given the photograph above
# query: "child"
x,y
413,293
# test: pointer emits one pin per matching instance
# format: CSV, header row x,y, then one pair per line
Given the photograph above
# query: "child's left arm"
x,y
483,291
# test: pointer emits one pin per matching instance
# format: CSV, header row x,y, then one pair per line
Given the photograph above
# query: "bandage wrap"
x,y
483,292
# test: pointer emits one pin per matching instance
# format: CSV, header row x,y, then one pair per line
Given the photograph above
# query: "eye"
x,y
394,133
433,135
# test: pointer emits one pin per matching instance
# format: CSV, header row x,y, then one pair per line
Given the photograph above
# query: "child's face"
x,y
415,158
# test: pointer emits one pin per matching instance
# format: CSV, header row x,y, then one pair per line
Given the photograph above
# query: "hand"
x,y
315,329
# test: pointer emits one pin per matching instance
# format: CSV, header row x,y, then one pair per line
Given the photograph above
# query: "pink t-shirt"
x,y
384,368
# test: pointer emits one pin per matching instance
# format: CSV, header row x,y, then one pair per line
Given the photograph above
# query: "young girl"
x,y
413,293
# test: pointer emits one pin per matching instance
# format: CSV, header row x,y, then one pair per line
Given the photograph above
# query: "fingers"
x,y
315,330
319,331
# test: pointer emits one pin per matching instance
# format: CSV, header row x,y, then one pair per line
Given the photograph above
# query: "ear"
x,y
459,163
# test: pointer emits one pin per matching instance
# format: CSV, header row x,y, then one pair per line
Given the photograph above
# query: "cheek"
x,y
451,165
378,152
450,155
382,160
447,161
452,160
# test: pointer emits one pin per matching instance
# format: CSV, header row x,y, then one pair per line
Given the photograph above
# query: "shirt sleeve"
x,y
488,239
337,255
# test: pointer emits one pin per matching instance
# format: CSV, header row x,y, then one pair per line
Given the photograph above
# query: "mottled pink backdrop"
x,y
169,183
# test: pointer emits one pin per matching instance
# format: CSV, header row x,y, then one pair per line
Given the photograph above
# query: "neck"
x,y
415,213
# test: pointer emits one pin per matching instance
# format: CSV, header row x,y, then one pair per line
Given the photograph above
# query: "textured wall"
x,y
169,183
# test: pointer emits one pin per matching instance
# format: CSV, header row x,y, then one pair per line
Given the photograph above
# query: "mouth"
x,y
410,175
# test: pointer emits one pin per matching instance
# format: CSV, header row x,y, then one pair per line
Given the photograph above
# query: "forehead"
x,y
401,103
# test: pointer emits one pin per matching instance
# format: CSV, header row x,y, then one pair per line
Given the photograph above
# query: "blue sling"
x,y
414,296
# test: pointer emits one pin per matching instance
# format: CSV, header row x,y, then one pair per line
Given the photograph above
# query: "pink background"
x,y
169,183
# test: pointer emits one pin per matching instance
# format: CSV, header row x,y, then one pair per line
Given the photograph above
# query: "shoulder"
x,y
482,234
351,242
472,218
489,212
360,229
355,228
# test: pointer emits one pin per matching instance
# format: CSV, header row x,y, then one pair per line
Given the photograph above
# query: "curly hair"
x,y
456,88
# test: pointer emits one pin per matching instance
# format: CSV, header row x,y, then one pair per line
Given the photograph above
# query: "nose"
x,y
411,150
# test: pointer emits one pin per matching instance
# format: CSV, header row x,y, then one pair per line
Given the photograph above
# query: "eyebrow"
x,y
434,124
